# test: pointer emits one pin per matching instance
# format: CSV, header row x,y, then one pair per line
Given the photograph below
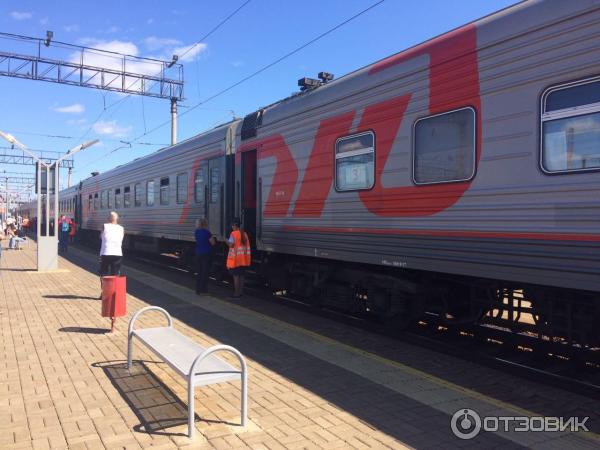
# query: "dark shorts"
x,y
110,265
237,271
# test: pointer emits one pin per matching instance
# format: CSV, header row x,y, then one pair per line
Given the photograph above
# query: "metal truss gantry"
x,y
92,68
9,155
19,180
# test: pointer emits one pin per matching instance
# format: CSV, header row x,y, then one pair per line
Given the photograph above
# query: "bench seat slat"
x,y
179,352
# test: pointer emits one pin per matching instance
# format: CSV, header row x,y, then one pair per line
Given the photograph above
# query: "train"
x,y
457,177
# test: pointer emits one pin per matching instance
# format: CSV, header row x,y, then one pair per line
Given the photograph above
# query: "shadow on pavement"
x,y
154,404
19,270
69,297
377,406
84,330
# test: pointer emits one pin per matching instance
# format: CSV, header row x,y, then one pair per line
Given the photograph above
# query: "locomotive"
x,y
457,178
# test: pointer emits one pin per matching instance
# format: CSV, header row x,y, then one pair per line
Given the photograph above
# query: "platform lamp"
x,y
56,165
47,257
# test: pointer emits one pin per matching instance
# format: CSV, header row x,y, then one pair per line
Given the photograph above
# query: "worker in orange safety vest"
x,y
239,257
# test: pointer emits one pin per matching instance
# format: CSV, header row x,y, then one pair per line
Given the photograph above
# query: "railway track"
x,y
491,346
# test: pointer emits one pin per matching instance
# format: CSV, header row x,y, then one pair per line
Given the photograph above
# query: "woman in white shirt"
x,y
111,254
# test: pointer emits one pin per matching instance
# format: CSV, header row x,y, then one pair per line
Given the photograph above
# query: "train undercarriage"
x,y
401,298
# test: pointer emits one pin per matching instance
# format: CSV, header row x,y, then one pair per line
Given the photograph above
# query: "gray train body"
x,y
474,155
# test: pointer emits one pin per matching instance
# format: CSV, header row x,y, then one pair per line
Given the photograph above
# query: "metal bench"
x,y
192,361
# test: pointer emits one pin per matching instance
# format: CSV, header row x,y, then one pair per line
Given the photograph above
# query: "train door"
x,y
216,196
78,210
248,193
201,189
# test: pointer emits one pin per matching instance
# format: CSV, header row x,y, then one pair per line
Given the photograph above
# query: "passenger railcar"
x,y
160,196
441,179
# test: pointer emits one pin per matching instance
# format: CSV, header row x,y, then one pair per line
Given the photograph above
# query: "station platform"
x,y
313,382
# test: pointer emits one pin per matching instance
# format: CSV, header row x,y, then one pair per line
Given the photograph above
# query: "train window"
x,y
444,147
199,186
571,127
164,191
90,202
215,180
126,197
150,193
182,187
103,200
117,198
96,200
109,196
137,194
354,162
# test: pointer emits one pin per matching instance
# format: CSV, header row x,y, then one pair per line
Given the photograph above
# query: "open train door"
x,y
248,194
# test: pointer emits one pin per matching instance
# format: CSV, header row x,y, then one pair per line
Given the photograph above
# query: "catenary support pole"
x,y
173,121
47,200
6,201
55,218
38,193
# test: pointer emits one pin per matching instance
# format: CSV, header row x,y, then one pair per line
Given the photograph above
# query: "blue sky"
x,y
260,33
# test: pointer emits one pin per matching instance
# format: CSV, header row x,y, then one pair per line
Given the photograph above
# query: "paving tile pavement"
x,y
63,381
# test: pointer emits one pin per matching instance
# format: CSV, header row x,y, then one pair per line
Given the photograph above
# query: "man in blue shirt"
x,y
204,244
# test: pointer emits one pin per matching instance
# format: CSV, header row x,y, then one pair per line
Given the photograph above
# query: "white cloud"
x,y
21,15
115,62
164,49
75,108
111,127
154,43
125,47
192,52
170,46
71,28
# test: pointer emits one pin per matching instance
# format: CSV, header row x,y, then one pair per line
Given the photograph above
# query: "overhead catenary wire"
x,y
66,137
264,68
189,49
246,78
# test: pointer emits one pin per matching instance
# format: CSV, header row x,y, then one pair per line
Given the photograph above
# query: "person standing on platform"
x,y
204,244
111,252
72,231
238,258
64,226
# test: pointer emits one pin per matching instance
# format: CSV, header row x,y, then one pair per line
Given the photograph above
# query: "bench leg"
x,y
129,350
191,413
244,412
